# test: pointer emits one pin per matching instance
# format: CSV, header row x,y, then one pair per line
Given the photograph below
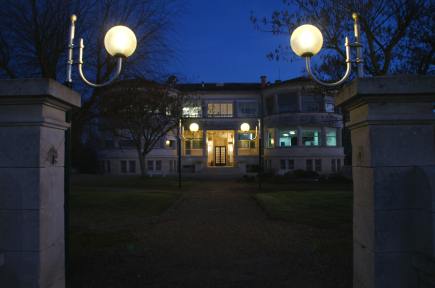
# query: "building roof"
x,y
229,86
218,86
240,85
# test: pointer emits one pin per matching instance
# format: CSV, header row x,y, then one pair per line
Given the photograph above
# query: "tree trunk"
x,y
143,171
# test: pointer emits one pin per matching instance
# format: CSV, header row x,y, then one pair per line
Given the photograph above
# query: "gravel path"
x,y
217,236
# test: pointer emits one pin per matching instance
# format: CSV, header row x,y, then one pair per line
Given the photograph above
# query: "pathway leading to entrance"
x,y
217,236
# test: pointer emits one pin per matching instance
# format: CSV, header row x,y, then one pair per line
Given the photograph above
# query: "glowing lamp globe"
x,y
194,127
120,41
245,127
306,40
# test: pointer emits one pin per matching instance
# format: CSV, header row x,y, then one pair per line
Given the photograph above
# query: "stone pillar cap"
x,y
403,88
38,88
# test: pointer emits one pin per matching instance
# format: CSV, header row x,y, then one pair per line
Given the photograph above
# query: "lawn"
x,y
321,210
316,208
107,213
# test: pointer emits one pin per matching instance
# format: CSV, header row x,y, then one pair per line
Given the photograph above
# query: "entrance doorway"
x,y
220,155
220,148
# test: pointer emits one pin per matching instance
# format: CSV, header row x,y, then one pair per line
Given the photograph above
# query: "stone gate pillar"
x,y
32,139
392,125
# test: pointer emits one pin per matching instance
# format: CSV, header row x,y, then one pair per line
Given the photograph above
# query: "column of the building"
x,y
275,133
236,148
339,137
323,137
299,131
204,148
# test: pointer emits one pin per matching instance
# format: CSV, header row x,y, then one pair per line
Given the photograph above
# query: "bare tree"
x,y
141,111
33,43
398,35
33,38
33,34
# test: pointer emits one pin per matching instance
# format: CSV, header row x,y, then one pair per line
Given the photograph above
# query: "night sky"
x,y
216,42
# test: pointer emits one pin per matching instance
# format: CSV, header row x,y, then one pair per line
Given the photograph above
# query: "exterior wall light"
x,y
120,42
245,127
307,40
194,127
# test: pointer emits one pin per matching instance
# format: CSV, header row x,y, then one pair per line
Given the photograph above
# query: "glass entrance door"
x,y
220,155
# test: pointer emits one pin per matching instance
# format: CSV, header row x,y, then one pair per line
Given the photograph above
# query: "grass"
x,y
107,214
319,209
324,212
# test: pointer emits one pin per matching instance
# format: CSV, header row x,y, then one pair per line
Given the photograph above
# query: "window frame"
x,y
309,165
327,137
132,168
148,165
293,138
319,137
123,164
212,113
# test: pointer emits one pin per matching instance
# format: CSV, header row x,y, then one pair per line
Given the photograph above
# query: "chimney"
x,y
172,80
263,81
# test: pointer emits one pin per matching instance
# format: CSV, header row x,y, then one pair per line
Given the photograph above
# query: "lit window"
x,y
331,137
192,112
288,138
329,107
311,137
170,144
194,143
245,141
270,139
220,110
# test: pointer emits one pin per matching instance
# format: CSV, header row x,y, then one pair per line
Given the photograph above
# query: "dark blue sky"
x,y
217,43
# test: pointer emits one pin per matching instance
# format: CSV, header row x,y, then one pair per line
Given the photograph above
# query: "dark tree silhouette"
x,y
142,112
398,35
33,43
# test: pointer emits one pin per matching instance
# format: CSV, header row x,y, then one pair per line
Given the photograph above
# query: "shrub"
x,y
305,174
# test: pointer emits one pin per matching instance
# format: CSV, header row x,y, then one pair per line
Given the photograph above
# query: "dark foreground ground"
x,y
145,233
